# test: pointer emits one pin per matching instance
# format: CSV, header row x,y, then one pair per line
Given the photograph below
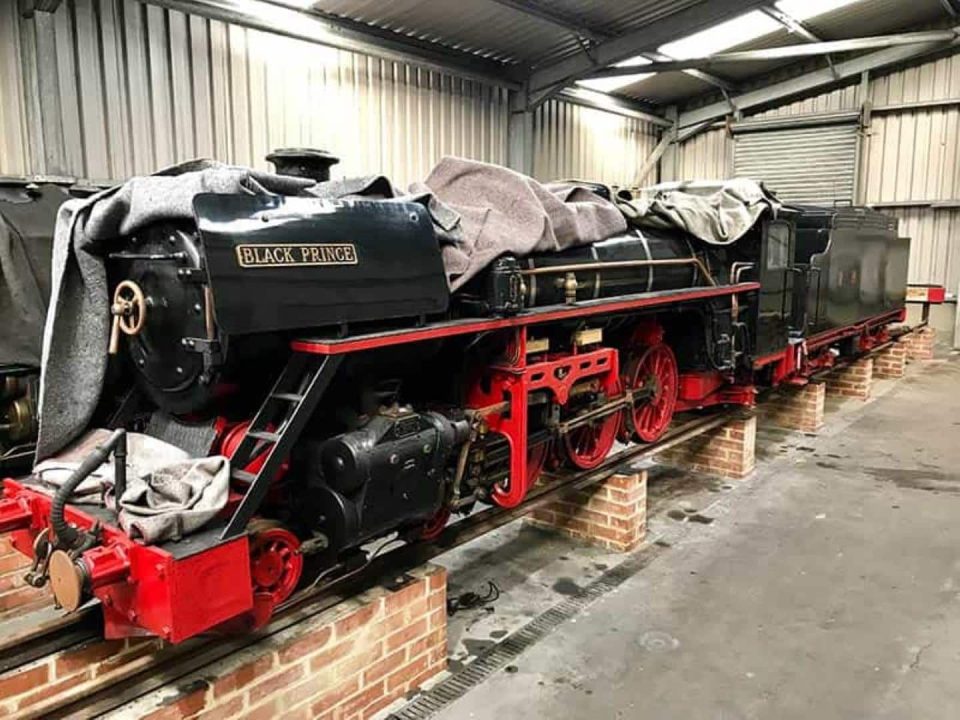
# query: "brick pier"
x,y
919,343
852,381
612,513
797,408
348,662
891,362
729,450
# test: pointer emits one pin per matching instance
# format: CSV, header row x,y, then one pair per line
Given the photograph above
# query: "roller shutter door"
x,y
815,165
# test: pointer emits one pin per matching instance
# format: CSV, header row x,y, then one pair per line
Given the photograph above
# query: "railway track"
x,y
49,636
145,674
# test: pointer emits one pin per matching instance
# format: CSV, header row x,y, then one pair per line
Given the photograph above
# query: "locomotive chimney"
x,y
303,162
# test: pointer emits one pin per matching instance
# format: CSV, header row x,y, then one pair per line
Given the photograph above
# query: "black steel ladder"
x,y
276,427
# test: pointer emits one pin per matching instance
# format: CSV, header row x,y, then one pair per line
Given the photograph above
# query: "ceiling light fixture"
x,y
806,9
722,36
614,83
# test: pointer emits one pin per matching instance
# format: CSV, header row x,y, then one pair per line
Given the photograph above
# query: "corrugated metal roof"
x,y
493,29
490,29
876,17
860,19
478,27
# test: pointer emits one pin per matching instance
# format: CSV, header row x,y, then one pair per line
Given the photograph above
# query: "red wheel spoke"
x,y
276,545
588,445
655,369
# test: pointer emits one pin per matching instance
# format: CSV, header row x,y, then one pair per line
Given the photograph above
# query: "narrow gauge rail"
x,y
146,674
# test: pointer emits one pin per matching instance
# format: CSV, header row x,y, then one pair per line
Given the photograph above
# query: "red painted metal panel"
x,y
144,587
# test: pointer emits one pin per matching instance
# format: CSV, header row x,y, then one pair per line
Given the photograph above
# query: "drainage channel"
x,y
460,683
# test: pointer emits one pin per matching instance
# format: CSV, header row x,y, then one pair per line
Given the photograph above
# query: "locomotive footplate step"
x,y
207,537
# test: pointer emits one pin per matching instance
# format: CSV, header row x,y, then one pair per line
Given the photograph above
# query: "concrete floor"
x,y
826,586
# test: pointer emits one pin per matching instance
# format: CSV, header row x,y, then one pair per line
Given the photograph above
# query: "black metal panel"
x,y
857,265
595,282
280,263
775,306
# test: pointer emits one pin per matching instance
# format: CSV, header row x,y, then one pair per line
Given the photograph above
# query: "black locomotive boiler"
x,y
356,396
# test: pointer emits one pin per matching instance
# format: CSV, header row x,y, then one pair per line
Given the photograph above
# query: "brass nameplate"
x,y
590,336
296,255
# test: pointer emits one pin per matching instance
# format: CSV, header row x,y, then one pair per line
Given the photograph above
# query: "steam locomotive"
x,y
28,213
357,397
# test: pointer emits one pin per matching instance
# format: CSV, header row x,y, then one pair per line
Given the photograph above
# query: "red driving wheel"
x,y
536,458
275,563
232,438
434,526
653,369
588,445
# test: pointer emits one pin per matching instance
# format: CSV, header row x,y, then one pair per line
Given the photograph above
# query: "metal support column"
x,y
520,133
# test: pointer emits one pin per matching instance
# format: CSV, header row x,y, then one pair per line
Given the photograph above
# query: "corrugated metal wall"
x,y
834,101
908,156
572,141
914,155
105,89
707,156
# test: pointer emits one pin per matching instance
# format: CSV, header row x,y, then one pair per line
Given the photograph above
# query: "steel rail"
x,y
147,674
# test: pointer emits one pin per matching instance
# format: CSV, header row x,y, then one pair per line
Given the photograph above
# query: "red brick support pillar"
x,y
348,662
612,513
891,362
797,408
852,380
920,343
729,450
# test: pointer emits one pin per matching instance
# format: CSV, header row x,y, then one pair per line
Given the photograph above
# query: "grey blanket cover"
x,y
480,211
168,494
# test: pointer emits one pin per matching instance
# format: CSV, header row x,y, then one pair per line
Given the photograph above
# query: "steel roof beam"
x,y
580,29
645,39
952,7
813,80
557,19
612,104
791,24
715,80
790,51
